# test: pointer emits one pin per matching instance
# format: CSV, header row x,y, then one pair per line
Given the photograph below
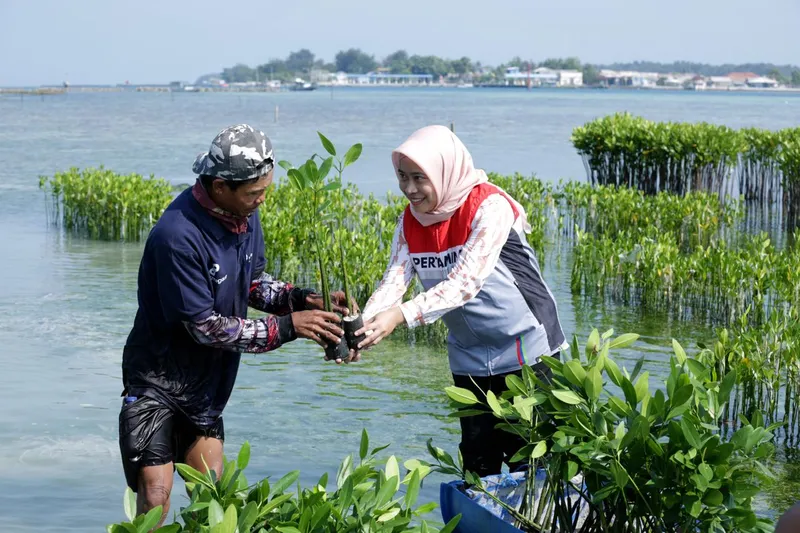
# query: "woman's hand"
x,y
379,327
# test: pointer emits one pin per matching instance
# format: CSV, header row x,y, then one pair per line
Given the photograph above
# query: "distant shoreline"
x,y
54,90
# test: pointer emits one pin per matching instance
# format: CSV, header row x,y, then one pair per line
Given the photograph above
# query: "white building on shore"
x,y
629,78
382,78
719,82
543,77
762,83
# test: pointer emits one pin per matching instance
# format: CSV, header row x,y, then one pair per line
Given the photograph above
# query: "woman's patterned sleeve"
x,y
396,278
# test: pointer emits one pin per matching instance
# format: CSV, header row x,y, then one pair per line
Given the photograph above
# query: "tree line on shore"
x,y
355,61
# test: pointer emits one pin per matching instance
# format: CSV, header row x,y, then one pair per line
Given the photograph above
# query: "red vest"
x,y
451,233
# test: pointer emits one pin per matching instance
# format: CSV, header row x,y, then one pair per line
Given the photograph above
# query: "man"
x,y
201,269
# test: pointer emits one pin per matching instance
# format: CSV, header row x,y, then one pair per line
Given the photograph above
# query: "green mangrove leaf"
x,y
593,383
129,502
151,519
215,513
243,459
461,395
352,154
515,385
325,169
726,386
592,344
680,353
412,492
451,525
690,434
285,482
392,469
623,341
328,145
567,396
613,372
574,372
364,447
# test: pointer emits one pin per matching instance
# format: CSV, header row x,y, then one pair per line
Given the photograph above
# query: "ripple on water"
x,y
66,452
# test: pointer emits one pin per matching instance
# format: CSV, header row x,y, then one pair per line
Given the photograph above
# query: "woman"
x,y
464,238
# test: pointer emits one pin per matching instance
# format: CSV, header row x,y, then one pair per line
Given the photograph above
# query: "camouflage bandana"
x,y
237,153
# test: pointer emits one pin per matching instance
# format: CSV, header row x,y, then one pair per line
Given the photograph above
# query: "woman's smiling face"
x,y
416,186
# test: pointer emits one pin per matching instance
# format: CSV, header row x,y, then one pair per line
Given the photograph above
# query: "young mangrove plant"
x,y
102,204
766,359
626,459
370,495
353,321
624,150
789,161
759,166
310,180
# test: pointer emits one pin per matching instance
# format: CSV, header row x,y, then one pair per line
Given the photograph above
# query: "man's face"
x,y
245,200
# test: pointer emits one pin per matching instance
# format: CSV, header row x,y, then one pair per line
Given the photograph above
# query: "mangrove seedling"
x,y
310,180
353,321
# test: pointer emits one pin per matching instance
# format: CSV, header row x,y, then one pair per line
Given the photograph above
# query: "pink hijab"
x,y
448,164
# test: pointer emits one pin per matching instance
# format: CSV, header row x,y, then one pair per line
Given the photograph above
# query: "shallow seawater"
x,y
66,303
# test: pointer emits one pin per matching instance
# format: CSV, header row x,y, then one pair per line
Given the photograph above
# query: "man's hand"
x,y
319,326
379,327
338,302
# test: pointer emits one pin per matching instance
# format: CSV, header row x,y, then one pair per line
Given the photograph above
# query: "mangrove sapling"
x,y
629,459
309,180
368,493
353,321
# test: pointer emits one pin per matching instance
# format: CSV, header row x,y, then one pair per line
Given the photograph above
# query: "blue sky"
x,y
147,41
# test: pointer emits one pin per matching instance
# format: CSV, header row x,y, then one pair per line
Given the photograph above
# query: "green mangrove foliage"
x,y
717,282
104,205
694,219
760,166
766,360
690,258
687,255
671,251
790,167
370,495
625,150
627,458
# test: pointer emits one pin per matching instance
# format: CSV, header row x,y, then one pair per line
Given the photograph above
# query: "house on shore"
x,y
739,79
382,78
543,77
762,83
719,82
614,78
